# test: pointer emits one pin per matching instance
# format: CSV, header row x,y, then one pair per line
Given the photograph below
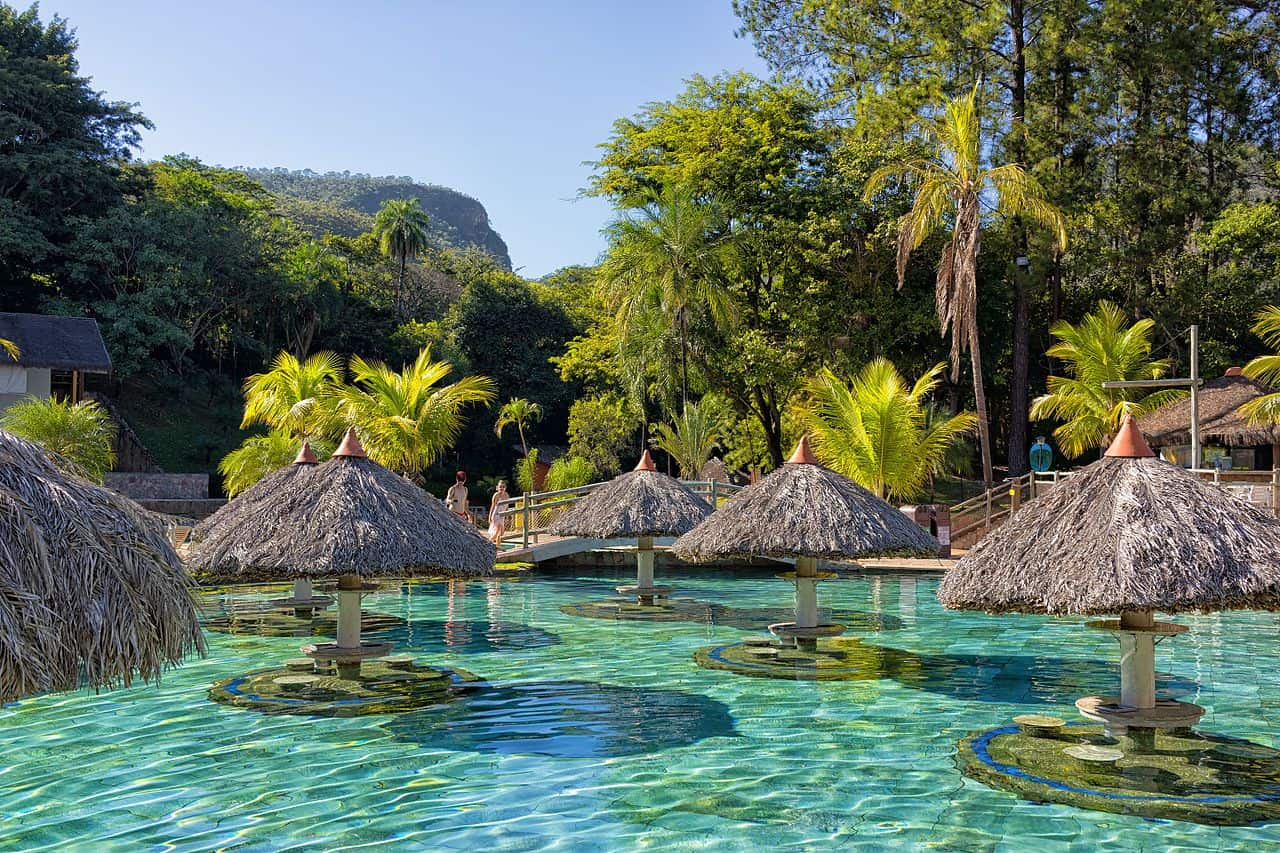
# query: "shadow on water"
x,y
760,618
570,719
465,637
1003,679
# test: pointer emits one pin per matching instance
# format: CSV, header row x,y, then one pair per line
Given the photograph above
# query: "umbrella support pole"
x,y
1137,660
349,595
807,600
645,590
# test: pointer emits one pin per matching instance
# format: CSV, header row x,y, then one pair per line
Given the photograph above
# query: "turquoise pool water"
x,y
600,735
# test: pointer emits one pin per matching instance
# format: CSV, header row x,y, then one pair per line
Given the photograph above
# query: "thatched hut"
x,y
805,512
90,587
1129,534
640,504
1251,446
244,512
346,518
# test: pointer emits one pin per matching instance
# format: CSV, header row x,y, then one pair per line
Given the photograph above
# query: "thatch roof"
x,y
1220,418
805,509
245,509
62,343
643,502
1129,532
347,516
90,588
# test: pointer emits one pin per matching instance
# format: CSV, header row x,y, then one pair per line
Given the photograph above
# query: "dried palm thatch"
x,y
1127,533
643,502
1221,422
91,591
349,515
240,510
805,509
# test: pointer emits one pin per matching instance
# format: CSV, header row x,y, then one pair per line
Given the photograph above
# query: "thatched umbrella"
x,y
348,517
244,512
90,587
806,512
1128,534
640,505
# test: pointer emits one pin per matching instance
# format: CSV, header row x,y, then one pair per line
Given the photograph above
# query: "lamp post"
x,y
1193,382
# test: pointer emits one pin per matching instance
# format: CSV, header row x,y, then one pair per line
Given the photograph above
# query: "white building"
x,y
56,355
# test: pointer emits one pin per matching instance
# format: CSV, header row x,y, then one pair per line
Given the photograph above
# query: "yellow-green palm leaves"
x,y
259,455
81,432
11,349
1102,347
520,413
293,396
877,431
950,187
406,419
691,438
1265,369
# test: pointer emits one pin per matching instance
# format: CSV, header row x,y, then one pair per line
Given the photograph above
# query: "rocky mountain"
x,y
345,202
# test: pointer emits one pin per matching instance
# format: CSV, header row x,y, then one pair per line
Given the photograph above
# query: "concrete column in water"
x,y
644,562
302,589
349,612
806,592
1137,660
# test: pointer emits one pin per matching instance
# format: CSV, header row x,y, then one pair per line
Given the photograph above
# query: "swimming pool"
x,y
593,734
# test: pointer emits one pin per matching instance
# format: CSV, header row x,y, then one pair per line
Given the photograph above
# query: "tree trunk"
x,y
684,365
399,297
1019,384
980,404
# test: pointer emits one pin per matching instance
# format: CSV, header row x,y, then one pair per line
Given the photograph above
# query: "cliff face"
x,y
344,203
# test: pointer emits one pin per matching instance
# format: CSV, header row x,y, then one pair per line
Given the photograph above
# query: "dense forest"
x,y
760,277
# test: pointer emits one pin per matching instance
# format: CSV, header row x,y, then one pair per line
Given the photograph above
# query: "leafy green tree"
x,y
1102,347
60,151
520,413
951,184
665,256
406,419
81,432
401,228
259,455
877,430
295,396
314,275
690,438
600,430
569,472
527,471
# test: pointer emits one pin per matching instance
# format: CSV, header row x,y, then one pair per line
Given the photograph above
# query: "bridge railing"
x,y
529,516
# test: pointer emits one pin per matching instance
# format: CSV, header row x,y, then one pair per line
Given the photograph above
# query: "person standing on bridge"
x,y
497,517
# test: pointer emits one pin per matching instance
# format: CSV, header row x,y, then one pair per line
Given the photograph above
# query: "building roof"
x,y
61,343
1220,418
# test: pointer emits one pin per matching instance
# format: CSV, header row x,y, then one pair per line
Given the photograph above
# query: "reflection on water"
x,y
760,618
1010,679
466,637
576,719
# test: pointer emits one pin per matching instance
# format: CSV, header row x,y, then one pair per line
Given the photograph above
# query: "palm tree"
x,y
952,186
691,439
1265,369
666,256
401,228
1103,347
518,412
877,431
259,455
294,396
82,432
406,419
11,349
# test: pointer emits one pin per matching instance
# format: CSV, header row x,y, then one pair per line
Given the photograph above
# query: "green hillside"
x,y
344,203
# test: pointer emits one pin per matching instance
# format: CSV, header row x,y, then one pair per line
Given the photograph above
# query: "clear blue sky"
x,y
501,100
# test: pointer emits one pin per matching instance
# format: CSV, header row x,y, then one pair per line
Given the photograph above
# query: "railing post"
x,y
1275,491
714,495
524,539
986,519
